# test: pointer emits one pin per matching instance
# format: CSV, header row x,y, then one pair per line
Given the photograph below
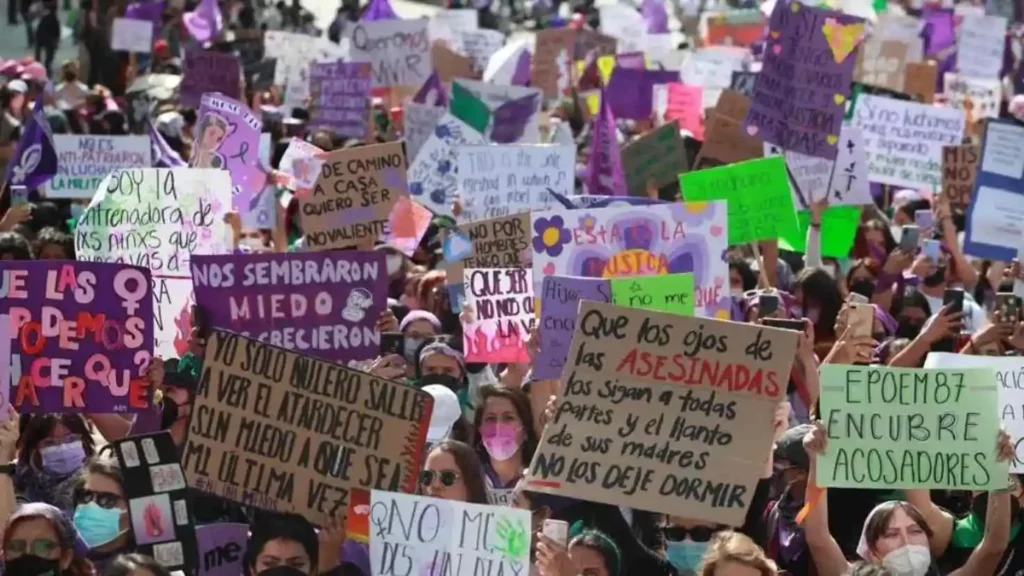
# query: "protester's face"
x,y
52,252
728,568
17,102
59,435
212,137
420,329
861,274
875,237
180,397
501,411
902,531
107,493
441,365
443,465
587,561
35,536
283,552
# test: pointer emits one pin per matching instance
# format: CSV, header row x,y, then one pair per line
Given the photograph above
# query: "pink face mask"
x,y
500,440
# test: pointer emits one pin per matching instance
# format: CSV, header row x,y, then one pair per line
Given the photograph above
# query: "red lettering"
x,y
25,336
138,394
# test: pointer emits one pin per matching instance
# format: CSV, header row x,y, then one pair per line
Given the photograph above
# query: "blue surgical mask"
x,y
97,525
410,347
685,555
62,459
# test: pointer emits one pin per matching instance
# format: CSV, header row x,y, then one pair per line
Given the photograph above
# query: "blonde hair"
x,y
732,546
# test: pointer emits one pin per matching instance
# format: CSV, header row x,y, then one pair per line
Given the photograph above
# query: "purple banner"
x,y
799,97
221,548
322,304
228,138
209,72
560,299
340,94
80,335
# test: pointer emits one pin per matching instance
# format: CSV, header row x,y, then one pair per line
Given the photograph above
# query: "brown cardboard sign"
x,y
881,62
450,64
353,196
659,155
665,413
919,80
725,142
552,62
959,167
497,243
277,430
587,40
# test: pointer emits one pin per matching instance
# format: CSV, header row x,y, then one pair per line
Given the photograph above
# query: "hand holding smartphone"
x,y
910,239
557,530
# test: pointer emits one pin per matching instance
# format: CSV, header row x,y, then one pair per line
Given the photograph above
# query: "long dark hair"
x,y
35,428
469,467
521,403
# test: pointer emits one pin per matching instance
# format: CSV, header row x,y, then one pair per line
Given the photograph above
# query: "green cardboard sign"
x,y
838,231
468,108
673,293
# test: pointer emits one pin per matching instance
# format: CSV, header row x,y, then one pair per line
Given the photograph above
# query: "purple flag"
x,y
204,23
655,15
323,304
432,92
34,161
521,76
228,138
221,548
560,297
82,332
152,12
510,119
163,155
604,165
379,10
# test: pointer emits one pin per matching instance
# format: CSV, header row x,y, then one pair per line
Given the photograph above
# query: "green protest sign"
x,y
666,293
838,230
468,108
907,428
760,202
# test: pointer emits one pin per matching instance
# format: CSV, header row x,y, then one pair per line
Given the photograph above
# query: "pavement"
x,y
14,40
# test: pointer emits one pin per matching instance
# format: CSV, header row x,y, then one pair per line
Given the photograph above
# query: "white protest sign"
x,y
977,97
480,45
398,51
295,53
712,68
433,175
132,35
418,122
904,139
625,24
979,46
495,95
503,180
301,166
84,160
502,314
846,178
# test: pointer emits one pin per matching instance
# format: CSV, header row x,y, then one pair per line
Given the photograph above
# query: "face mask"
x,y
30,565
865,288
450,382
394,263
97,525
168,412
736,292
62,459
897,232
909,560
935,278
685,555
908,331
282,571
500,440
409,349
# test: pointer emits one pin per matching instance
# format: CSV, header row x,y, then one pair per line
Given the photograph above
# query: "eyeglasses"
x,y
102,499
51,442
697,533
41,547
448,478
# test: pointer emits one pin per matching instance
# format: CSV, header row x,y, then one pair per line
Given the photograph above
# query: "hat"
x,y
17,86
34,71
66,533
419,315
790,446
11,68
446,412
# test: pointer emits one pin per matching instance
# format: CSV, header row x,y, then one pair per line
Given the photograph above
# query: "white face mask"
x,y
909,560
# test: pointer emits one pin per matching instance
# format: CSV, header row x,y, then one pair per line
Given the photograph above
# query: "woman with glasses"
x,y
52,451
101,511
39,541
453,472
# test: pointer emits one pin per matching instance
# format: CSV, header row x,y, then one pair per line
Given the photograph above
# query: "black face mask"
x,y
282,571
450,382
168,412
935,278
865,288
29,565
979,506
908,331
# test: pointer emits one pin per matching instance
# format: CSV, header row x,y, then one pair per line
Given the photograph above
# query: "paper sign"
x,y
81,336
688,441
514,111
433,175
418,122
685,104
977,97
84,160
881,62
266,430
398,50
845,179
229,139
995,217
222,548
300,165
498,242
209,71
295,53
353,196
560,298
712,68
435,536
979,46
480,45
667,293
838,229
893,428
340,98
959,166
131,35
502,304
658,155
498,181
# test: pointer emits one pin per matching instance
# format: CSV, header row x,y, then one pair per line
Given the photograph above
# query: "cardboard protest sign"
x,y
893,428
309,430
434,536
904,140
994,216
760,203
84,160
880,62
158,218
959,166
514,110
838,229
433,175
398,50
130,35
209,71
495,243
919,79
628,241
295,53
979,46
658,155
340,97
353,196
725,140
80,333
808,67
222,548
559,307
502,314
449,64
159,506
551,69
229,139
496,181
324,304
690,440
672,293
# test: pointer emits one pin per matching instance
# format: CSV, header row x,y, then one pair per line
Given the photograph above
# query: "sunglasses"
x,y
448,478
697,533
102,499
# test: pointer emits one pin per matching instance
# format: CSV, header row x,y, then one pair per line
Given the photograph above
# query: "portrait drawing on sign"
x,y
358,302
152,519
213,131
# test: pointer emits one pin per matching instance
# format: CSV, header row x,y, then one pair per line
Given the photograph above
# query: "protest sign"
x,y
398,50
80,336
479,45
449,64
229,139
760,203
309,430
733,27
209,71
132,35
340,97
904,140
625,24
560,297
725,140
711,69
995,216
84,160
845,179
498,181
515,111
551,68
295,53
353,196
838,228
743,82
681,103
919,79
808,66
433,175
690,440
222,548
420,535
658,155
977,97
158,218
300,166
897,428
418,121
324,304
959,166
496,243
502,305
665,293
979,46
880,63
627,241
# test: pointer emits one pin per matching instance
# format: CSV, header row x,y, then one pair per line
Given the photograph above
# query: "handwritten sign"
x,y
959,166
209,71
666,293
845,180
688,441
503,314
132,35
497,181
880,63
340,97
551,69
266,430
418,121
559,307
228,138
659,155
977,97
433,175
398,51
222,548
995,215
295,53
711,68
979,45
898,428
84,160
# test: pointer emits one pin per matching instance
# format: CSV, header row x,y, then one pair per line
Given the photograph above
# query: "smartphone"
x,y
785,324
932,249
1007,308
392,343
767,305
857,298
954,298
557,530
925,220
19,195
910,238
861,320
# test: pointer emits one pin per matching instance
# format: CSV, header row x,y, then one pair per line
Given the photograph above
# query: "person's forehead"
x,y
33,527
284,548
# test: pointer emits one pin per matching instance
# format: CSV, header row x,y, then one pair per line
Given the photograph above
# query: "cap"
x,y
17,86
790,446
66,533
446,412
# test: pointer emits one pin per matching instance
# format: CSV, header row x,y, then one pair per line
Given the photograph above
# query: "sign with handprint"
x,y
422,535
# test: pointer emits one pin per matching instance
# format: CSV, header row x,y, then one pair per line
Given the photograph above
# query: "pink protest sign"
x,y
228,138
500,306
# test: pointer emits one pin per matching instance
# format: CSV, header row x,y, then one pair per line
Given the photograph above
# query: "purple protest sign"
x,y
82,334
510,119
939,32
799,97
221,548
207,71
631,90
560,298
228,138
340,97
323,304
